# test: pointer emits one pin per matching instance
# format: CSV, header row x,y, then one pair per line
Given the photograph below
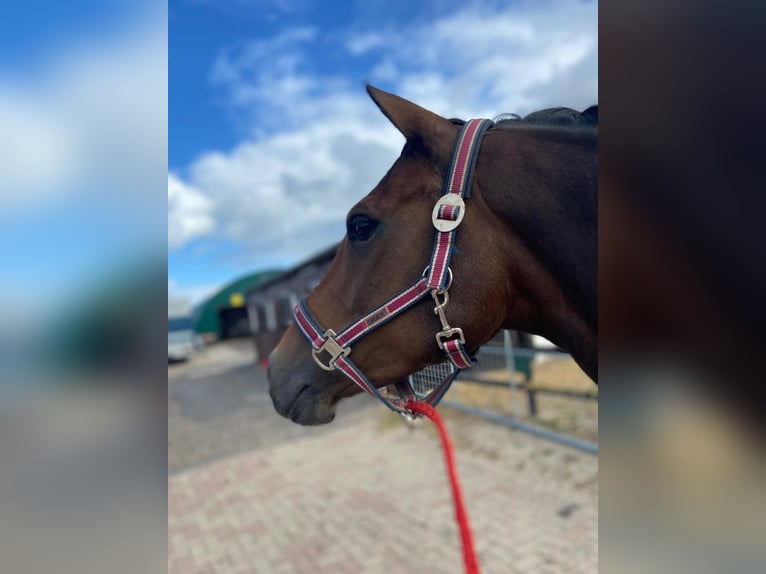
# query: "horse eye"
x,y
360,228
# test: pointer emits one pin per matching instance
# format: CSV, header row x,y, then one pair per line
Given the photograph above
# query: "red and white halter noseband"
x,y
436,280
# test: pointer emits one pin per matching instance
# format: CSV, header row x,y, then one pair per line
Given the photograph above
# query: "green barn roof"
x,y
232,295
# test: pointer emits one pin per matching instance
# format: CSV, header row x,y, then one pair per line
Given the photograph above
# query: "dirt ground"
x,y
568,415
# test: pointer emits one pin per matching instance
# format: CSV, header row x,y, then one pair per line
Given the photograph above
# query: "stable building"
x,y
270,304
225,314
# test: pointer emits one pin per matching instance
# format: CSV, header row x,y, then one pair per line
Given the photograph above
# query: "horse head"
x,y
501,278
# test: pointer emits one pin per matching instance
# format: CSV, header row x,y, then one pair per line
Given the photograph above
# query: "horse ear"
x,y
421,127
591,114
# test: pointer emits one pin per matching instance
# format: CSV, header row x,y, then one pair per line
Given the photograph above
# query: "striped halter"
x,y
330,350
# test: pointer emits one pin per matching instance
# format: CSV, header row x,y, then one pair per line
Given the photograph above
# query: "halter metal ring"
x,y
449,278
331,347
447,334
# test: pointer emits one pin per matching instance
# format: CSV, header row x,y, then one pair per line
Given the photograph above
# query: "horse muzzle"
x,y
299,393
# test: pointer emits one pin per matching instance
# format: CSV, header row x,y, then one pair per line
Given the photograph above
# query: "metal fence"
x,y
503,366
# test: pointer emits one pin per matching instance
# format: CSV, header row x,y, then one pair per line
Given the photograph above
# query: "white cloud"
x,y
37,150
318,144
238,62
359,44
288,193
264,78
94,116
189,213
487,60
385,71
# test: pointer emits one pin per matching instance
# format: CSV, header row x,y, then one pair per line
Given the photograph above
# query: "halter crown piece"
x,y
330,350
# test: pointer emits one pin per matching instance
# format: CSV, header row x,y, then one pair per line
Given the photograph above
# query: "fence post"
x,y
510,363
532,402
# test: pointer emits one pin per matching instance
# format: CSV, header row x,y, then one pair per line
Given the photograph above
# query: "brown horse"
x,y
525,253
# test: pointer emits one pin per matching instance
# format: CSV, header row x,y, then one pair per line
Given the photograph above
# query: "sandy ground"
x,y
568,415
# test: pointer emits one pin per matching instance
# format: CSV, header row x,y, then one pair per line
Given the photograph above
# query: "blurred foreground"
x,y
83,433
681,283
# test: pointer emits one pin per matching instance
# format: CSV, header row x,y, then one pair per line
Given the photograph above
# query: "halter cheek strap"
x,y
449,210
330,355
330,350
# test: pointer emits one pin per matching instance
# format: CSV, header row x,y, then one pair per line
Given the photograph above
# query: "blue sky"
x,y
83,148
272,137
254,111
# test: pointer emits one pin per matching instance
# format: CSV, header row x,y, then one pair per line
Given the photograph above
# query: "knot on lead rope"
x,y
469,554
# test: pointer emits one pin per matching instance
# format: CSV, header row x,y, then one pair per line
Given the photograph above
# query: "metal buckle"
x,y
331,347
446,225
442,336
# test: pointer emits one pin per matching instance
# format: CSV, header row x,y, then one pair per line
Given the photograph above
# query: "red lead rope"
x,y
469,554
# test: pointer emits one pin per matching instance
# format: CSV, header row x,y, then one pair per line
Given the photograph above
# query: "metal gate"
x,y
510,371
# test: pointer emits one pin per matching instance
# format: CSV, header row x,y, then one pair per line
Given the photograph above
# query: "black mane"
x,y
548,117
573,214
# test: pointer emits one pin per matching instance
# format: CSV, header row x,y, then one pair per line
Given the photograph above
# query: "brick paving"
x,y
365,494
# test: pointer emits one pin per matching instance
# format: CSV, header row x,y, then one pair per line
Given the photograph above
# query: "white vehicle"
x,y
180,330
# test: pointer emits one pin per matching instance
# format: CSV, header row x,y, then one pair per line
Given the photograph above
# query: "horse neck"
x,y
542,183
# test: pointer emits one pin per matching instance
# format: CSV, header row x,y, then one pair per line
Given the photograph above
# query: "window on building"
x,y
288,304
270,312
252,316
